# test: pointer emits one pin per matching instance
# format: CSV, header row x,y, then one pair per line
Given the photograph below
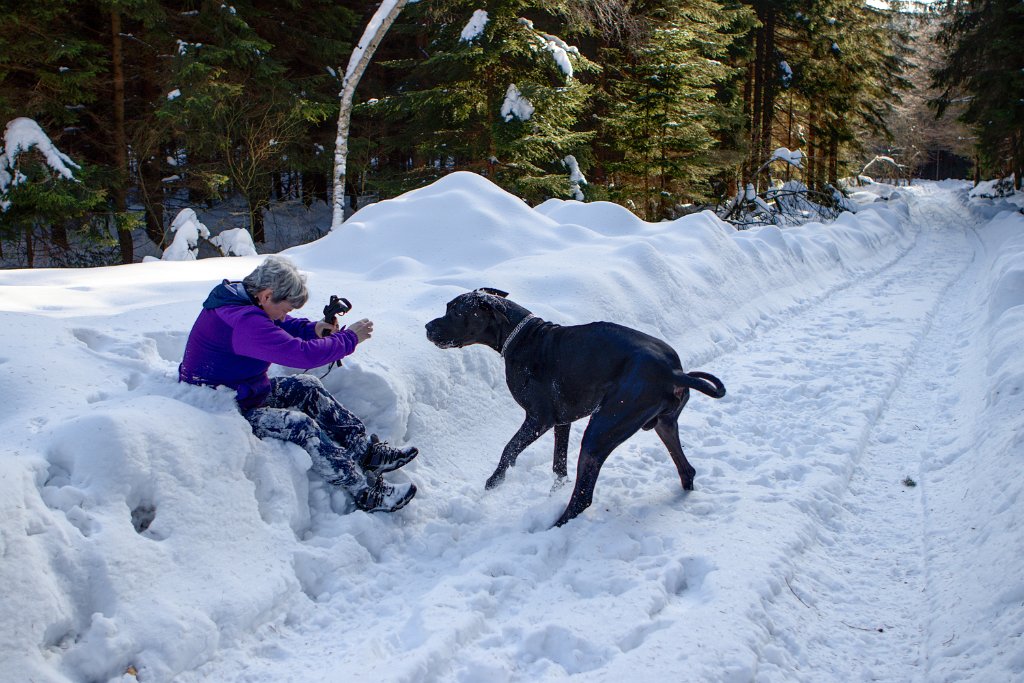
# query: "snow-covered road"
x,y
856,604
857,357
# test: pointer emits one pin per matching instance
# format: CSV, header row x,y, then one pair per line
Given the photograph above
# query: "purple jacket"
x,y
233,343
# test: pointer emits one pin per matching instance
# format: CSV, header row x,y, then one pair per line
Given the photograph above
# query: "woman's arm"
x,y
255,335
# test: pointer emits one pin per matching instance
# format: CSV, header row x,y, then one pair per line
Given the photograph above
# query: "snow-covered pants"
x,y
300,410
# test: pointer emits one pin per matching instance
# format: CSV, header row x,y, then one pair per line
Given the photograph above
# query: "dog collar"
x,y
515,331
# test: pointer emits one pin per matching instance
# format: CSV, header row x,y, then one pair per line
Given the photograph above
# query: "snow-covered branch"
x,y
21,135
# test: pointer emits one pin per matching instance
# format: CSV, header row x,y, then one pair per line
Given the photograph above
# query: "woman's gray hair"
x,y
281,277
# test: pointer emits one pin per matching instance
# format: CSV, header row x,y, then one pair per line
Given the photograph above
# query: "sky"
x,y
857,505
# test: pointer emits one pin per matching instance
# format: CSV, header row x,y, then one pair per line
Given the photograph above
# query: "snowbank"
x,y
977,601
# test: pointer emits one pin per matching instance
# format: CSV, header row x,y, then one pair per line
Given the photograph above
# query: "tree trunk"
x,y
353,203
812,161
255,201
314,186
59,236
789,136
754,153
768,87
833,160
120,189
1018,160
259,233
30,255
360,59
748,109
151,191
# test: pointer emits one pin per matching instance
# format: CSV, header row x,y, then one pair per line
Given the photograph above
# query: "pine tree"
x,y
665,115
855,74
503,100
825,72
54,70
985,67
39,190
238,112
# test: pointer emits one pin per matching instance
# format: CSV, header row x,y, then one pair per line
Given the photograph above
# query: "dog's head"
x,y
475,317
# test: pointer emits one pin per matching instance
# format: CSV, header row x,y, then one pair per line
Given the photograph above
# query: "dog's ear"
x,y
496,309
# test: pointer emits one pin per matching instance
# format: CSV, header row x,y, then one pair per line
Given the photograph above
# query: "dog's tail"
x,y
703,382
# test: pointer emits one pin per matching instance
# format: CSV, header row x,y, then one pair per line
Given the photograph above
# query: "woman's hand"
x,y
363,329
324,329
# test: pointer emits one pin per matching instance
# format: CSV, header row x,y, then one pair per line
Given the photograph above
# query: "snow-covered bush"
x,y
788,204
187,229
993,189
48,207
234,242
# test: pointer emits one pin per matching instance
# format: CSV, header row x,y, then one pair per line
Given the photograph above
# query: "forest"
x,y
663,107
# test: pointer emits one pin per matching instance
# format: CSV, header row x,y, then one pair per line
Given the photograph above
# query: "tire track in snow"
x,y
854,603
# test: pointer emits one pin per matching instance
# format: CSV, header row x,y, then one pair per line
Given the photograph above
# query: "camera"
x,y
337,306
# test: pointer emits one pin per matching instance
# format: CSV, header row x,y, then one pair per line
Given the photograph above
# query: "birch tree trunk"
x,y
357,63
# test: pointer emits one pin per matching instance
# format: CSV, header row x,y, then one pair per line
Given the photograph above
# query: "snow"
x,y
793,157
144,528
234,242
559,50
474,28
576,177
516,105
786,73
21,135
990,189
187,229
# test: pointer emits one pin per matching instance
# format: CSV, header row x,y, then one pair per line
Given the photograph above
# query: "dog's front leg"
x,y
527,434
559,462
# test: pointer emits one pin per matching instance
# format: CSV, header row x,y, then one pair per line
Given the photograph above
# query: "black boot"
x,y
380,457
380,496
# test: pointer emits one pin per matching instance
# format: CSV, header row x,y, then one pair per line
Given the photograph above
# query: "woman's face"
x,y
274,310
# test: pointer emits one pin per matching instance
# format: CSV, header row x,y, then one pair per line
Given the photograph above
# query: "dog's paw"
x,y
494,480
559,483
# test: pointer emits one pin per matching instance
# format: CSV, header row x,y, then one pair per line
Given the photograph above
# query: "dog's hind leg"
x,y
559,463
603,435
527,434
667,428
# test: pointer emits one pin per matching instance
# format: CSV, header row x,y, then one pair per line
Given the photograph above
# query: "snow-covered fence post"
x,y
357,63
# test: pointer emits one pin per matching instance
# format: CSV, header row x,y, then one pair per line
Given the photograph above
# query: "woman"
x,y
242,329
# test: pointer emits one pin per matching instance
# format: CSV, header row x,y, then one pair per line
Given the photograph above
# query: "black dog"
x,y
625,379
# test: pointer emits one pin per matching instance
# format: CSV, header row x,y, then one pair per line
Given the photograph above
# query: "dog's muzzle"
x,y
437,338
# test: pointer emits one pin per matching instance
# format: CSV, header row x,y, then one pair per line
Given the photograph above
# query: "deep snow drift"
x,y
145,530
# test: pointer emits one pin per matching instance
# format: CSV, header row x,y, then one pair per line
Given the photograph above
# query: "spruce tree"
x,y
497,95
665,114
239,112
39,191
54,70
985,68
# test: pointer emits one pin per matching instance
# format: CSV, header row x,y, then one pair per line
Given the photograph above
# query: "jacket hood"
x,y
228,293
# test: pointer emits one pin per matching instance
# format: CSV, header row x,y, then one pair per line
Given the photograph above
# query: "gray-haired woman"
x,y
242,329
